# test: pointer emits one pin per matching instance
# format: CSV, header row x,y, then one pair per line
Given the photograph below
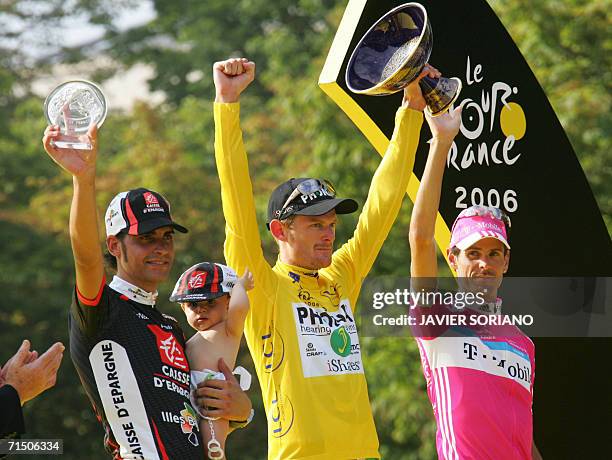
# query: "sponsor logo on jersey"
x,y
170,350
505,358
122,401
338,366
273,349
281,415
331,294
131,436
187,420
305,296
498,358
340,341
312,319
172,379
171,318
323,334
311,350
142,316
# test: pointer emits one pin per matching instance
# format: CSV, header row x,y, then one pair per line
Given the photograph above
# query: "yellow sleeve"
x,y
242,241
389,184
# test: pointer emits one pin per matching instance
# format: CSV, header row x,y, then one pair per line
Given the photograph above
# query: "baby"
x,y
215,303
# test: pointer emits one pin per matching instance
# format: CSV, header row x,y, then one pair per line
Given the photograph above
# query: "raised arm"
x,y
84,237
232,77
444,128
239,304
388,187
242,241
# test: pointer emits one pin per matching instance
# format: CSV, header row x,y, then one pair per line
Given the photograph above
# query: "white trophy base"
x,y
76,145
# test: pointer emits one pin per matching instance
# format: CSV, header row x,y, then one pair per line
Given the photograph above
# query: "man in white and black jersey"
x,y
130,356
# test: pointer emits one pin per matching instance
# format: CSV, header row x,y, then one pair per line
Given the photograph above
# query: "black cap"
x,y
204,281
137,212
314,204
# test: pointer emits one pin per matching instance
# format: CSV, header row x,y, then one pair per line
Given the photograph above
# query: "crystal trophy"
x,y
74,106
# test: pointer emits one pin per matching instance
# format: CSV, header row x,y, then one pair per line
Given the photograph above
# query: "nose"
x,y
329,234
162,246
484,262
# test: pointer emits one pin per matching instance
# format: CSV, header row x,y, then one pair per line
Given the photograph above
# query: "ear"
x,y
506,260
452,259
114,246
278,230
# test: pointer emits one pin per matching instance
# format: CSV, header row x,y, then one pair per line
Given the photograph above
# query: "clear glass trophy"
x,y
74,106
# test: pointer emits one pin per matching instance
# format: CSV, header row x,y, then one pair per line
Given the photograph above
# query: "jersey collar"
x,y
298,274
133,292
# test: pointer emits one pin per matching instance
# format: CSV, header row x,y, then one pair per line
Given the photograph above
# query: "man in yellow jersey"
x,y
301,326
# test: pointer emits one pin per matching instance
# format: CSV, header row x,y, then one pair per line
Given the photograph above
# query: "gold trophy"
x,y
393,53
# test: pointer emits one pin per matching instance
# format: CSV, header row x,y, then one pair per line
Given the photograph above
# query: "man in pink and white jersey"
x,y
479,379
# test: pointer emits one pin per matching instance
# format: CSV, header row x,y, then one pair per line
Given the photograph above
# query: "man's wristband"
x,y
234,425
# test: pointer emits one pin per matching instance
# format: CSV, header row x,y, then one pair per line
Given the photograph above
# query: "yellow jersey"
x,y
301,328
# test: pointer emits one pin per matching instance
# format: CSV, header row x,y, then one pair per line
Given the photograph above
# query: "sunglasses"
x,y
309,187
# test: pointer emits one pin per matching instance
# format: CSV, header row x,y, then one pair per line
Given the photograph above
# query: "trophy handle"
x,y
440,93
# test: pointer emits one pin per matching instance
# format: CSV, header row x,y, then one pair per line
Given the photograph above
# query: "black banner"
x,y
511,153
